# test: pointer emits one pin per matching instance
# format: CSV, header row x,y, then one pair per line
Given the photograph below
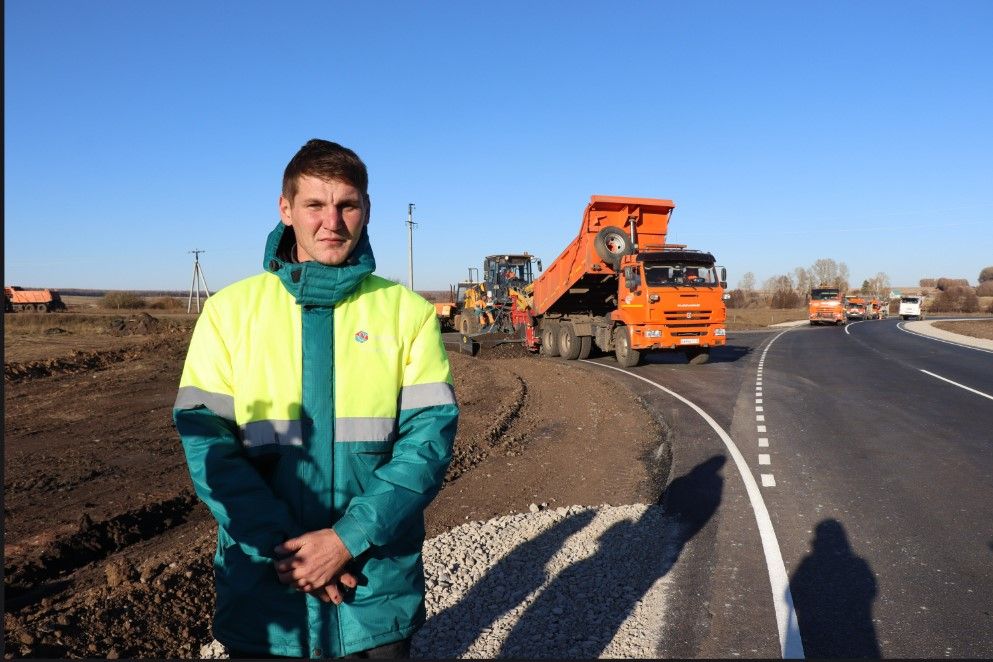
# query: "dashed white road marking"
x,y
761,428
764,458
760,417
758,401
763,442
790,643
758,407
945,379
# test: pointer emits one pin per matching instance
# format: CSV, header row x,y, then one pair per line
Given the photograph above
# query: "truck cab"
x,y
825,306
672,299
855,307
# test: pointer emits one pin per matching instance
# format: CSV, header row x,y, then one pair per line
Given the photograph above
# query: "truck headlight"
x,y
653,333
720,332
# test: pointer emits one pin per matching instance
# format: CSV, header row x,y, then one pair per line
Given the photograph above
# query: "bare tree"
x,y
802,282
747,282
986,274
823,272
879,285
841,279
782,292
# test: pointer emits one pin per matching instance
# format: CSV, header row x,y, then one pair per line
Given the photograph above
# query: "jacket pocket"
x,y
354,466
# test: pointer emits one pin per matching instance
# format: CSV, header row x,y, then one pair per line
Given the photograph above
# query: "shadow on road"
x,y
725,354
589,601
833,590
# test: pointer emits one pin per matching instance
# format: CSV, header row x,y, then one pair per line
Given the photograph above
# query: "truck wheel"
x,y
697,356
611,245
549,339
626,357
585,347
568,342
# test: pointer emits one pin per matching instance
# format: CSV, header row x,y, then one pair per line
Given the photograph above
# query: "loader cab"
x,y
461,289
508,269
503,272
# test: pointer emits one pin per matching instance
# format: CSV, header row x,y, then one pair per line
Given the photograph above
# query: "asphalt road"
x,y
877,478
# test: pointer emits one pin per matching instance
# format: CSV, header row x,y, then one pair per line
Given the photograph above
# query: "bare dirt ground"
x,y
973,328
108,553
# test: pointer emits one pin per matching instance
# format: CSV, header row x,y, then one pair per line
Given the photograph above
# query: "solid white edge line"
x,y
790,644
899,325
945,379
848,324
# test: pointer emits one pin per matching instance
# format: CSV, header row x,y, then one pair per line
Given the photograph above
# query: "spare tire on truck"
x,y
611,245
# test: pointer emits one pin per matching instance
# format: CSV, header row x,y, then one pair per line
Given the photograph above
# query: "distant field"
x,y
742,319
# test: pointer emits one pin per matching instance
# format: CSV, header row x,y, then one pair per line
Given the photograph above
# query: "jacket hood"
x,y
313,283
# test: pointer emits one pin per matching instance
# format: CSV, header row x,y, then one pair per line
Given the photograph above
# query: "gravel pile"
x,y
576,582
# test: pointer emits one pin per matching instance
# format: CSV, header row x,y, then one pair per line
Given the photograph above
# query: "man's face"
x,y
327,218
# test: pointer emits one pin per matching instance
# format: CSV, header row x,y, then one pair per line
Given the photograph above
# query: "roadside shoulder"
x,y
926,328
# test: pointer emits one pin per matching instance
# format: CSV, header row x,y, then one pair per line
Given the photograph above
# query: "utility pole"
x,y
198,278
410,245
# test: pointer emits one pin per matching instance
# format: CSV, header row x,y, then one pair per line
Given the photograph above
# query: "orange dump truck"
x,y
16,299
825,306
855,307
619,286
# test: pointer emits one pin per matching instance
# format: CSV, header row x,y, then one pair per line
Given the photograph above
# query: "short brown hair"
x,y
325,160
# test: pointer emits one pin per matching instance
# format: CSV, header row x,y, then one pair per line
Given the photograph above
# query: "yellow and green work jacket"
x,y
316,397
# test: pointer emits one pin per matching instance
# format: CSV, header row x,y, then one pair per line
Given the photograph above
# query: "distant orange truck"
x,y
620,287
825,306
855,307
16,299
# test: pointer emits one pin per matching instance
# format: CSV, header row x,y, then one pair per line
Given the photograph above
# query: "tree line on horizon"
x,y
792,290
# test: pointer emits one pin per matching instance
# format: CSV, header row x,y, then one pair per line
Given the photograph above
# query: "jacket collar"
x,y
313,283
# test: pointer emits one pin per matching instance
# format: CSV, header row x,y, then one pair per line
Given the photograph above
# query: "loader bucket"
x,y
468,346
480,342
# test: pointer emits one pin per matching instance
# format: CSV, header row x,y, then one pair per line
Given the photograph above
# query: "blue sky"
x,y
784,131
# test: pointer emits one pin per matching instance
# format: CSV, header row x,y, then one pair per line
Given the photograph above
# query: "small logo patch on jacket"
x,y
361,336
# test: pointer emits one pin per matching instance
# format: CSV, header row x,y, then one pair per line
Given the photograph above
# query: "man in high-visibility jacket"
x,y
317,415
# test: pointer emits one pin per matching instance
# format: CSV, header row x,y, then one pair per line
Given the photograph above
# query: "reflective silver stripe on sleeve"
x,y
190,397
426,395
261,433
365,429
